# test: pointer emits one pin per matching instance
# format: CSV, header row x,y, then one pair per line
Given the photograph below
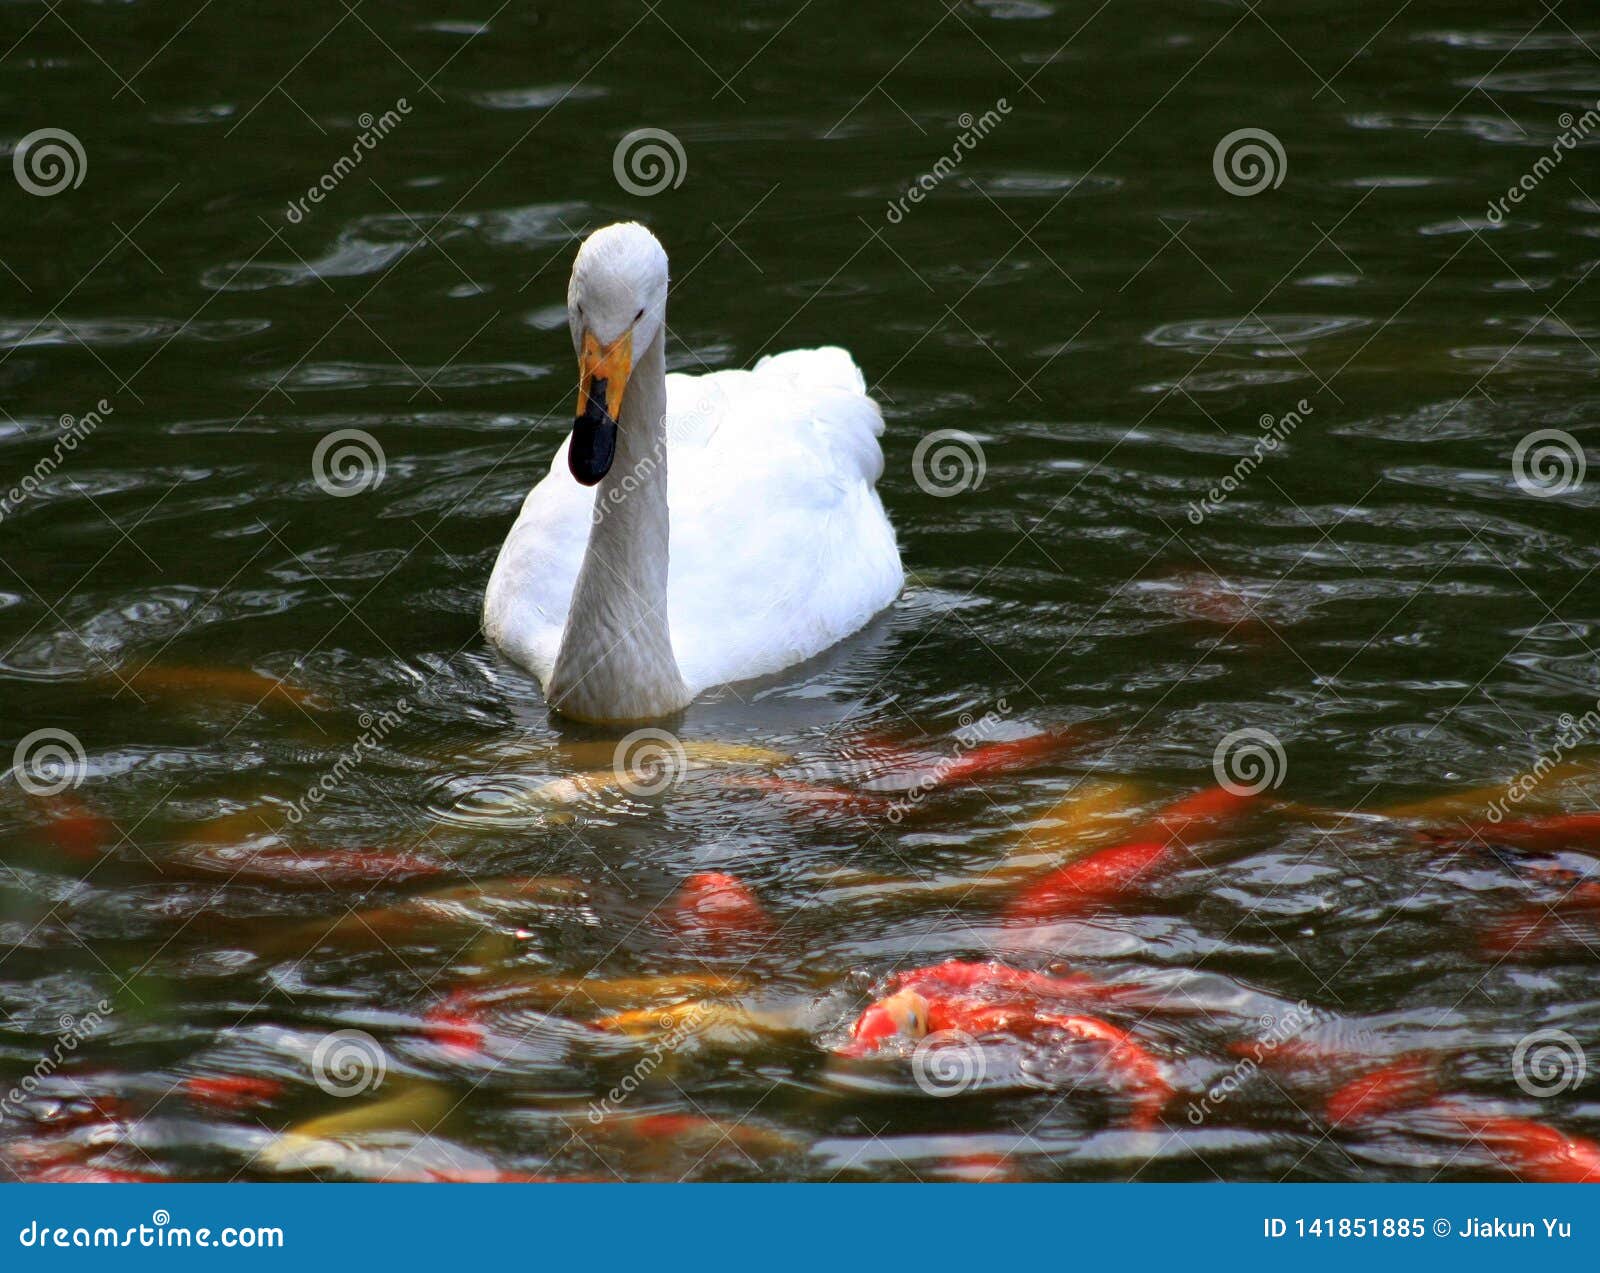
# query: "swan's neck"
x,y
616,660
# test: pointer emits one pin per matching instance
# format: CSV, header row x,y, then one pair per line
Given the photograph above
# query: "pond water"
x,y
1268,451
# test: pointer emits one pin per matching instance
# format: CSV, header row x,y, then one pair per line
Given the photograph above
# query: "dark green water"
x,y
1079,294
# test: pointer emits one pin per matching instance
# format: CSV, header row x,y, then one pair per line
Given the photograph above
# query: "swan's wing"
x,y
780,545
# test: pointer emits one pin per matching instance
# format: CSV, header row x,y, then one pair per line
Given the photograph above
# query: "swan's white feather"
x,y
779,545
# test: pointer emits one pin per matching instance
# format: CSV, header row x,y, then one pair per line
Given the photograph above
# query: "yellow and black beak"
x,y
602,380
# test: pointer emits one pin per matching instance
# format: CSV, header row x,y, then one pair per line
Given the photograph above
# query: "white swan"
x,y
735,528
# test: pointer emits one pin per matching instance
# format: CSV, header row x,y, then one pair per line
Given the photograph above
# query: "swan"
x,y
692,531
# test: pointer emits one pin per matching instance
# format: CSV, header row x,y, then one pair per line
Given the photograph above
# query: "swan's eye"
x,y
639,315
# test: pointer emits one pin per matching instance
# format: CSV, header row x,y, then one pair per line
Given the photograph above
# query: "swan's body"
x,y
736,531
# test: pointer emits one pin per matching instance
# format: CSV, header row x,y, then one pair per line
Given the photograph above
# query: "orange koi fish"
x,y
1406,1082
234,684
1531,1150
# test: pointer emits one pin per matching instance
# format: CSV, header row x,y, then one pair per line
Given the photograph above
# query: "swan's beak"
x,y
602,380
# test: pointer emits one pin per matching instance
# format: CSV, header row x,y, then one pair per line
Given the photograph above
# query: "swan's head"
x,y
616,303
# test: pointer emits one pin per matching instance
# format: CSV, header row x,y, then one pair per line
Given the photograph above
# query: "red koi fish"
x,y
1006,757
1408,1081
1107,873
1140,1071
77,831
1531,1150
958,975
1104,874
717,908
915,1013
1203,814
232,1091
1531,930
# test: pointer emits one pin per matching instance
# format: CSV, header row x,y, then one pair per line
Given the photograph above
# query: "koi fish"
x,y
807,794
915,1013
1403,1083
687,757
415,1107
903,769
1091,813
991,975
232,1091
83,1175
310,868
1563,831
1204,813
716,908
696,1017
455,1024
76,830
694,1128
1104,874
1534,1151
233,684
